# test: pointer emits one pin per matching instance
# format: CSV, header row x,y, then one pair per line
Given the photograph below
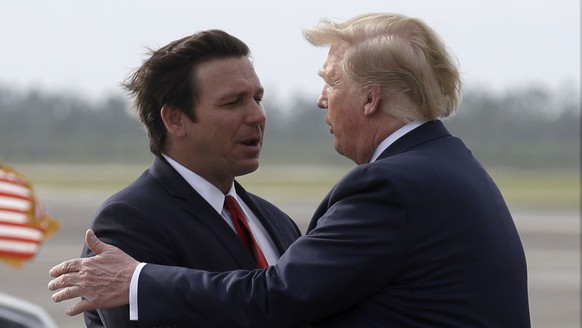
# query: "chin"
x,y
337,147
248,167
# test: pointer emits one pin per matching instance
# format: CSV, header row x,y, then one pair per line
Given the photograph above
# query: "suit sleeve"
x,y
355,250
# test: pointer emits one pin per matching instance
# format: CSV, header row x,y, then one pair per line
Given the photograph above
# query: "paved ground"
x,y
551,239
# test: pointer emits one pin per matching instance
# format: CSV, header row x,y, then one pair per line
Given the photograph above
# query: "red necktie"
x,y
244,232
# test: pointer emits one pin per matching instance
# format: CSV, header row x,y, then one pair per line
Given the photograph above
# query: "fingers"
x,y
67,293
65,267
62,281
69,289
93,243
82,306
74,265
70,293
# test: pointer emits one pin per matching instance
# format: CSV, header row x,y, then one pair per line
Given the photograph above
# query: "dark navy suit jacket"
x,y
422,237
160,219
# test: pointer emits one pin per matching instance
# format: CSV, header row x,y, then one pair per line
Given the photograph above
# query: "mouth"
x,y
328,122
252,142
330,128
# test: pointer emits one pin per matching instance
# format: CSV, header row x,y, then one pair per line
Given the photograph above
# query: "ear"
x,y
373,101
173,119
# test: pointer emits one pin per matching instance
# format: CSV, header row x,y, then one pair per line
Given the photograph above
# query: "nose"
x,y
256,114
322,100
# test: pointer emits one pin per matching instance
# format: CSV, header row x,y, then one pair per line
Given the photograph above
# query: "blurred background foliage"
x,y
530,127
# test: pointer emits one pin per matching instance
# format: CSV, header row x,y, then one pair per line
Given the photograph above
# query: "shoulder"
x,y
140,206
145,191
371,174
389,178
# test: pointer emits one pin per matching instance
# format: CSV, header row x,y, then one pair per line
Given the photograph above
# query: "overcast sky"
x,y
89,47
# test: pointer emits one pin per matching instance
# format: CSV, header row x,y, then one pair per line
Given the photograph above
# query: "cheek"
x,y
346,123
334,119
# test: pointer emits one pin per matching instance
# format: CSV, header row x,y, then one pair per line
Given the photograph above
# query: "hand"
x,y
101,281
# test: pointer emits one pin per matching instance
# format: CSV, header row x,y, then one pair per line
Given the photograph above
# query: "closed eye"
x,y
233,103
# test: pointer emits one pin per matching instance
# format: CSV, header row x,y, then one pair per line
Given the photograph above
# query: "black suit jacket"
x,y
161,219
419,238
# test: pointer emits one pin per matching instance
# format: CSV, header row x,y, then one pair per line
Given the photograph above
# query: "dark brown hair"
x,y
168,78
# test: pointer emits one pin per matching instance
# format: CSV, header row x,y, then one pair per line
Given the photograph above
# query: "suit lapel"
x,y
199,209
264,217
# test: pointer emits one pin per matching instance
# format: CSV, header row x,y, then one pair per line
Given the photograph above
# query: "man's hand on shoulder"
x,y
101,281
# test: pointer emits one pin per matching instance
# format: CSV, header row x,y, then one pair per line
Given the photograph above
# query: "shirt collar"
x,y
393,137
208,191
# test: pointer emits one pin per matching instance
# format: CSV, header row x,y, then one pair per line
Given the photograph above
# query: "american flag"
x,y
23,221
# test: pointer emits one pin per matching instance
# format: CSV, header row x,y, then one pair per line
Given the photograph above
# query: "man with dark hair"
x,y
200,101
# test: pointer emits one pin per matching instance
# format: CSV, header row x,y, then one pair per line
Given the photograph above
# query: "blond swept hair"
x,y
398,53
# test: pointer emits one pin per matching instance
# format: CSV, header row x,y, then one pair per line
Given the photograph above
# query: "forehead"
x,y
227,75
334,57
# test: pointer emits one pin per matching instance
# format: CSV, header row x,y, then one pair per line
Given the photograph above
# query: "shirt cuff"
x,y
133,313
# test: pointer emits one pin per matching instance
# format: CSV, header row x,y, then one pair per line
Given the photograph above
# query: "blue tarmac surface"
x,y
551,239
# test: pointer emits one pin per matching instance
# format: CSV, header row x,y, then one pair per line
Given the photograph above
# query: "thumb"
x,y
93,243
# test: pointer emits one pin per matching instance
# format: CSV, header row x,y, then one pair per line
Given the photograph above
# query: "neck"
x,y
384,127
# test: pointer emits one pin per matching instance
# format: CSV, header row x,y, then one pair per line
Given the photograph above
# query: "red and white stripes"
x,y
18,238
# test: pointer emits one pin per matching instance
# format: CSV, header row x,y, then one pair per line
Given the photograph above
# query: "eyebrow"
x,y
230,96
239,94
323,74
329,76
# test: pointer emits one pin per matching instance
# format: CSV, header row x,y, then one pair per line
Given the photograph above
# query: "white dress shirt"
x,y
393,137
215,198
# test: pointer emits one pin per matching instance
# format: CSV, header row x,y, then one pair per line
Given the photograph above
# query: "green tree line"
x,y
529,127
